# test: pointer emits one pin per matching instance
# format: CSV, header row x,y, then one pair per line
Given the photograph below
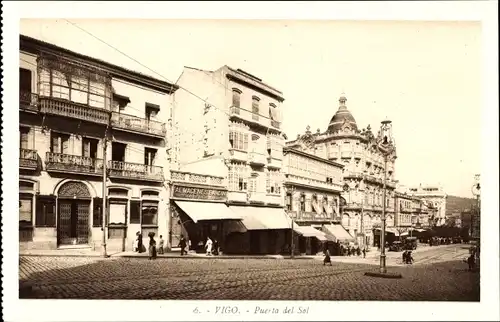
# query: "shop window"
x,y
149,213
135,211
25,209
117,212
97,212
45,215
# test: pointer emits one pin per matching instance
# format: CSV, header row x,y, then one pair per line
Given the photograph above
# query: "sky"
x,y
423,76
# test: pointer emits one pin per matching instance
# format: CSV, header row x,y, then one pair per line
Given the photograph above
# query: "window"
x,y
117,212
151,111
252,183
24,133
236,97
149,156
118,151
238,139
59,143
25,209
255,108
289,201
135,211
302,202
97,212
25,78
149,213
45,211
89,148
273,182
237,177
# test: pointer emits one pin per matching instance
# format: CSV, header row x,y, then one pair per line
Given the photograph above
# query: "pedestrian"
x,y
161,242
182,245
471,261
208,246
405,256
327,258
409,258
152,246
364,252
358,251
135,243
215,247
140,246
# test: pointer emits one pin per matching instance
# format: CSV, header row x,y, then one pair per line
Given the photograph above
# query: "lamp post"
x,y
386,146
292,243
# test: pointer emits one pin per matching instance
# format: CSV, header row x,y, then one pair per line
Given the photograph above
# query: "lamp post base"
x,y
383,268
384,275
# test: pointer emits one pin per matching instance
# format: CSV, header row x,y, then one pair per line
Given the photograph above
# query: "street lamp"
x,y
291,190
386,146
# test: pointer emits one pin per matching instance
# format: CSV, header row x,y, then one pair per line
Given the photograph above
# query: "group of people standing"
x,y
352,251
211,247
152,249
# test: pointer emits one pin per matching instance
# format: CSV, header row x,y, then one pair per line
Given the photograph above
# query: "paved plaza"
x,y
439,274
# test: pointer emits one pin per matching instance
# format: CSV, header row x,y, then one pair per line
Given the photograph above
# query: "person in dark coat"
x,y
405,257
327,258
182,245
215,247
152,246
140,245
364,252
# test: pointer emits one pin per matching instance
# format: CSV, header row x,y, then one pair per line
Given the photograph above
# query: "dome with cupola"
x,y
342,118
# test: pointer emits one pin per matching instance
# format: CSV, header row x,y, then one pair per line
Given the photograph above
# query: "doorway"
x,y
73,222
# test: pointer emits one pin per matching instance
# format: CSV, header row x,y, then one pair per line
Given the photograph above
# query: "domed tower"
x,y
342,117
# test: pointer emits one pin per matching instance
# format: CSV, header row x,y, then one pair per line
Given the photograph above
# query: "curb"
x,y
212,257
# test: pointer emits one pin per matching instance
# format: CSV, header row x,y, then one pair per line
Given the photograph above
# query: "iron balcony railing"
x,y
68,163
135,171
74,110
137,124
254,117
28,159
28,101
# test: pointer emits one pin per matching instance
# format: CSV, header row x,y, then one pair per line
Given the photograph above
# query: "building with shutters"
x,y
435,199
359,152
70,107
229,125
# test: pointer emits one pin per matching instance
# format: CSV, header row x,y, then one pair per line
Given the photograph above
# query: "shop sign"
x,y
199,193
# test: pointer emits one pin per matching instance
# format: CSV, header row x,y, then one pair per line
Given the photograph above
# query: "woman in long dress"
x,y
327,258
152,246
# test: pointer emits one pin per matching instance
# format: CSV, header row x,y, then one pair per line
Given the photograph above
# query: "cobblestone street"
x,y
242,279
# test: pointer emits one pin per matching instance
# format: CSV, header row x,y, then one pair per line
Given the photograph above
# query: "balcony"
x,y
28,159
28,101
196,178
274,199
274,163
135,171
275,124
66,163
358,155
257,158
73,110
250,117
314,183
238,155
139,125
257,197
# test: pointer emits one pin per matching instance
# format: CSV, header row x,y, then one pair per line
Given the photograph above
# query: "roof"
x,y
312,156
343,115
37,46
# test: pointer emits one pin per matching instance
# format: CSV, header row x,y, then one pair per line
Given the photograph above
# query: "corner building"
x,y
231,128
358,151
72,108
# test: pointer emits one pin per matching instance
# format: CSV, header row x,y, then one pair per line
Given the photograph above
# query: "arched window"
x,y
236,97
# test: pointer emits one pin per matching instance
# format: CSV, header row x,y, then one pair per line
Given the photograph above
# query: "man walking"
x,y
182,245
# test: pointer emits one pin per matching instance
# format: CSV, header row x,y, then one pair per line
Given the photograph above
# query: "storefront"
x,y
200,212
311,240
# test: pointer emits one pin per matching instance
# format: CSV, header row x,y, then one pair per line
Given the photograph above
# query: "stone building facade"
x,y
232,128
434,198
71,106
359,151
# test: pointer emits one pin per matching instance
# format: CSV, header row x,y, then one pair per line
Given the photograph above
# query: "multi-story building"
x,y
435,199
313,186
404,209
420,216
77,114
229,125
360,153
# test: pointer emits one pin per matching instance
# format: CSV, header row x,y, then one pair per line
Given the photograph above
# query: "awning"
x,y
199,211
338,232
404,234
308,231
260,218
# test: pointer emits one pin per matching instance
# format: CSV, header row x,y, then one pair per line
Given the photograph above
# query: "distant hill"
x,y
457,204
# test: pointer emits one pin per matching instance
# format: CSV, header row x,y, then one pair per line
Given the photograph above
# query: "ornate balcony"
x,y
253,118
73,110
135,171
274,163
28,159
28,101
67,163
196,178
139,125
257,158
345,154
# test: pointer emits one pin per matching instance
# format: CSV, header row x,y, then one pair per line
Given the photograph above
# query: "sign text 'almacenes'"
x,y
199,193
